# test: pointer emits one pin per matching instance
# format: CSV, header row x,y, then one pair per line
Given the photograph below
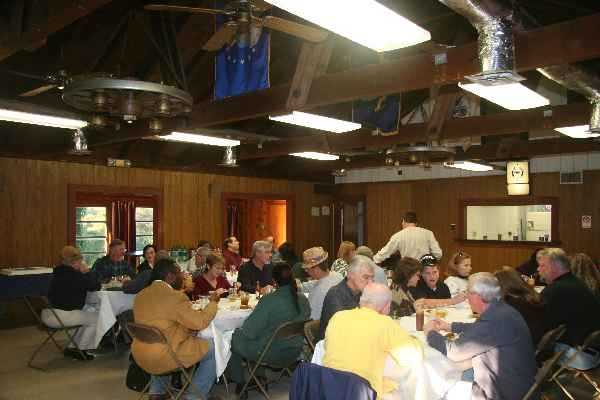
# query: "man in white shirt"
x,y
412,241
314,261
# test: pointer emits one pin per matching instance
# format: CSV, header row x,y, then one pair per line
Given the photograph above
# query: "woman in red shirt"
x,y
213,278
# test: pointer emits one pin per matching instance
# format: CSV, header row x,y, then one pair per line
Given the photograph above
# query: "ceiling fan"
x,y
243,14
52,80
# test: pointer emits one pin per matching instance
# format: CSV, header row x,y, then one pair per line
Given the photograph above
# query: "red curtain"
x,y
123,222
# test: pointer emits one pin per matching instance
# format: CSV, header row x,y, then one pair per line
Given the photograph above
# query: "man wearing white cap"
x,y
314,262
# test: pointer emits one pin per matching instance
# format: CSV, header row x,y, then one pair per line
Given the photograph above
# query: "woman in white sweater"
x,y
459,269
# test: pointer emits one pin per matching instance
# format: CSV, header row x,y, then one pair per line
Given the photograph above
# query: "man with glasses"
x,y
346,294
114,263
314,262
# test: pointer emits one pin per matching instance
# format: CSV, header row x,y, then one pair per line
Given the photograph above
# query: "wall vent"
x,y
571,178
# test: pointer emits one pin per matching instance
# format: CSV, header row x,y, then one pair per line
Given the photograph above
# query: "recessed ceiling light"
x,y
512,96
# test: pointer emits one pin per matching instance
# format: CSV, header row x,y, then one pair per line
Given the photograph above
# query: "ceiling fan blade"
x,y
222,36
37,91
191,10
295,29
261,5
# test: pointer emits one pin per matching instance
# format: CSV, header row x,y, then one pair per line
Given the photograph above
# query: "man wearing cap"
x,y
314,262
70,283
431,288
412,241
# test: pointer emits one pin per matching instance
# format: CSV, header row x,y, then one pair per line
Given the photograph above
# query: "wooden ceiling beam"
x,y
487,125
564,43
55,22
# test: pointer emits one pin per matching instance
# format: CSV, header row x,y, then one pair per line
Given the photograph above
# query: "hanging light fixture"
x,y
229,159
79,144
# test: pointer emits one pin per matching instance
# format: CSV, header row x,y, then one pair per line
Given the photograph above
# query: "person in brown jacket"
x,y
163,306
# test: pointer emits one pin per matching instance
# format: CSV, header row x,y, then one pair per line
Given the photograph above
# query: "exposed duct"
x,y
495,43
578,80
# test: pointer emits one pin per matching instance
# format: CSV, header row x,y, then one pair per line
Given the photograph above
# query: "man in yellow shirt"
x,y
360,340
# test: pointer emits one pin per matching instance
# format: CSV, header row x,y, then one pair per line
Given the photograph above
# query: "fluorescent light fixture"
x,y
469,166
316,156
200,139
41,119
317,122
365,22
577,132
512,96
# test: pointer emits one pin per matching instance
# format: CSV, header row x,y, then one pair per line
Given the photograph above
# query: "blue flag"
x,y
380,113
243,66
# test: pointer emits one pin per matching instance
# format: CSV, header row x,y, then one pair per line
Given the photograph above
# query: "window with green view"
x,y
91,232
144,227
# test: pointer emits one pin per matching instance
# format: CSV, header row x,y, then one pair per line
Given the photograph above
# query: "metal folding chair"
x,y
311,330
543,375
151,335
591,343
546,344
69,330
287,330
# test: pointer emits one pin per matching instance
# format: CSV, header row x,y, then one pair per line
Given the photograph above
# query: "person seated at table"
x,y
570,302
197,264
231,253
584,268
283,305
430,288
288,255
315,263
71,281
113,264
359,341
459,269
213,279
149,254
346,294
275,256
498,344
406,275
162,305
524,299
365,251
258,269
345,253
529,269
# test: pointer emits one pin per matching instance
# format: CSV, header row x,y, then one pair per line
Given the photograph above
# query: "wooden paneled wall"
x,y
33,204
436,204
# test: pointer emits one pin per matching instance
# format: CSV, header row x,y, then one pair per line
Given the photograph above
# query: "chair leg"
x,y
37,350
591,382
225,382
564,389
253,377
188,382
72,341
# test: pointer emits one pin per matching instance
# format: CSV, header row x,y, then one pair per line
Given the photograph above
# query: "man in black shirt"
x,y
70,283
570,302
258,269
430,286
114,263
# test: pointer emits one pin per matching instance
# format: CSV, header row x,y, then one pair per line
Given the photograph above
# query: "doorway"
x,y
349,221
252,217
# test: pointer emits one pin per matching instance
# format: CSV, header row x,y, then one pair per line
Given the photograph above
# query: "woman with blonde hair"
x,y
583,267
345,253
524,299
459,269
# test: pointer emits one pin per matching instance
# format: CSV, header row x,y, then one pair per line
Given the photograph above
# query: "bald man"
x,y
347,350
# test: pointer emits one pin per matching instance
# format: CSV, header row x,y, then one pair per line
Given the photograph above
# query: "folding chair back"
x,y
544,374
546,344
311,330
69,330
152,335
592,341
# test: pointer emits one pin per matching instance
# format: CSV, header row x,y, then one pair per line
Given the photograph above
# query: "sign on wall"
x,y
517,177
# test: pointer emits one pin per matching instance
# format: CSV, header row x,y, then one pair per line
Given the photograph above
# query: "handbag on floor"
x,y
137,379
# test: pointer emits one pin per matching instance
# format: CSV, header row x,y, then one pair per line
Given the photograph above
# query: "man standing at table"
x,y
114,263
231,253
412,241
258,269
568,301
498,344
360,340
162,305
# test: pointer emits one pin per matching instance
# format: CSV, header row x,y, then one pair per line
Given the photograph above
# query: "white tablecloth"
x,y
109,304
438,376
228,318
